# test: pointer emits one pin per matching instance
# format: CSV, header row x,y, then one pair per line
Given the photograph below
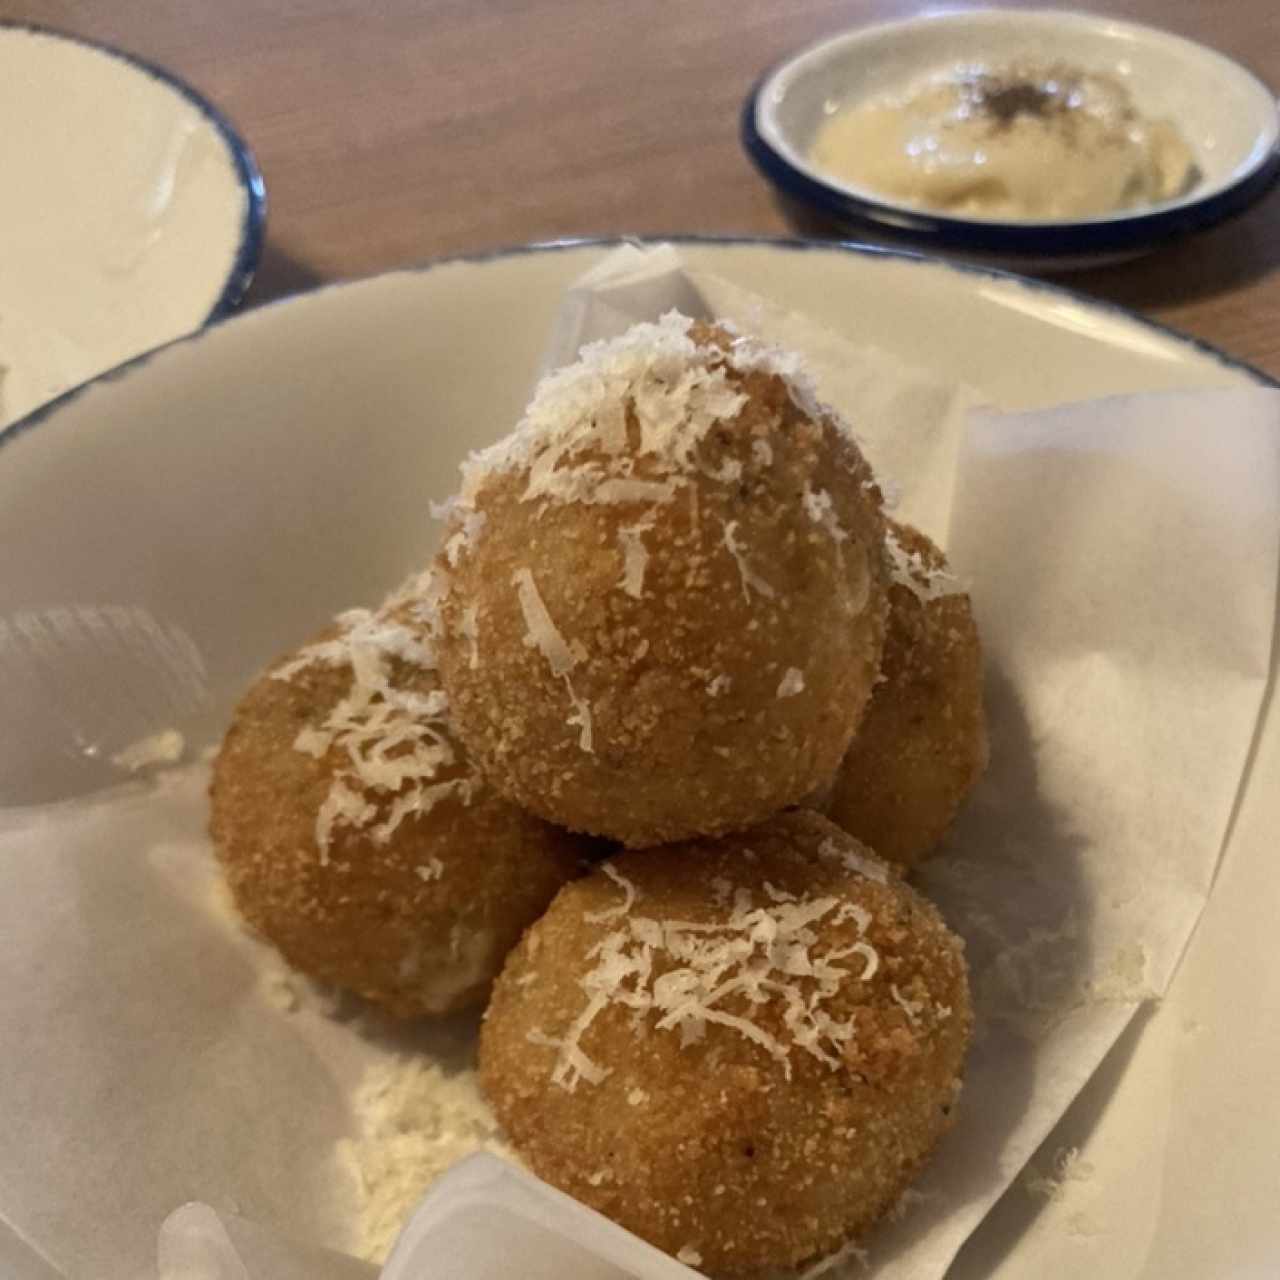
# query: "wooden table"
x,y
393,131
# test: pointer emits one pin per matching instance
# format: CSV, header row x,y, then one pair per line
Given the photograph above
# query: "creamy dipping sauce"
x,y
1013,142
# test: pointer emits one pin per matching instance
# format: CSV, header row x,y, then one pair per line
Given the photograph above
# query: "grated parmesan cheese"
x,y
689,1256
393,742
910,569
165,747
628,897
278,987
574,437
766,955
464,539
821,510
1066,1167
752,355
415,1122
543,634
644,401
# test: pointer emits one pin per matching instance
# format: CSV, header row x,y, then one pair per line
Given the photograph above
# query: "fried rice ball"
x,y
355,836
650,590
742,1049
922,745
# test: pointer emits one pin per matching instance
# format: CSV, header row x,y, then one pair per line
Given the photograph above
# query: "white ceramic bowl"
x,y
133,212
241,484
1228,116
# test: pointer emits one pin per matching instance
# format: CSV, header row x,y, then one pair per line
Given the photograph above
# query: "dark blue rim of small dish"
x,y
253,225
1041,240
50,408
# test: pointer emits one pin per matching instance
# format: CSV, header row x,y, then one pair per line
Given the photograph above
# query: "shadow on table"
x,y
280,274
1227,257
1203,265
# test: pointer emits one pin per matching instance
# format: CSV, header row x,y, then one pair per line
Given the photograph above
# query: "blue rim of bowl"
x,y
253,224
22,426
1039,240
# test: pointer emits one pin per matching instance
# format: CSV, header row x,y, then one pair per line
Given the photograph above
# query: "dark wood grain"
x,y
403,130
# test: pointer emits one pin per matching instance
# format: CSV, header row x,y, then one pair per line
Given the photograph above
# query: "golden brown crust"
x,y
922,744
708,1145
420,923
720,693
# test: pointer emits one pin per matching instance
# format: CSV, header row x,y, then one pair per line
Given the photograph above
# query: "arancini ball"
x,y
663,596
741,1049
356,838
922,745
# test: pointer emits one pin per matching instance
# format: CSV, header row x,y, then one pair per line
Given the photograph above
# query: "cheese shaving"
x,y
751,581
635,556
628,897
543,634
911,570
540,631
464,538
821,510
470,632
852,860
912,1008
752,355
393,742
572,1065
313,742
1067,1167
791,683
722,972
580,719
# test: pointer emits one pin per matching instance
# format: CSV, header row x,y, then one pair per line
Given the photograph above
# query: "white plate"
x,y
132,213
327,422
